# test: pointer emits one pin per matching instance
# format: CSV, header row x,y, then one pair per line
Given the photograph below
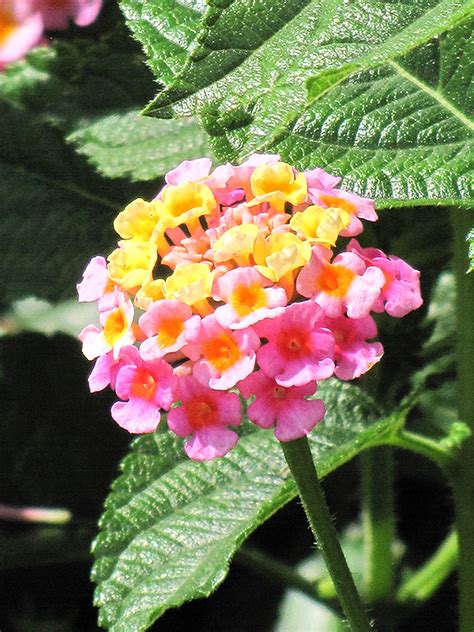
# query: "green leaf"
x,y
165,28
138,147
56,213
246,78
400,133
171,526
470,241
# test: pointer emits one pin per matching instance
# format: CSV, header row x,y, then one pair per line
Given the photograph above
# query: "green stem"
x,y
378,522
422,445
300,461
462,478
426,580
278,572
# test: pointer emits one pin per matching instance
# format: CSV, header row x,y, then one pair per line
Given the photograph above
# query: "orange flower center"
x,y
279,392
292,344
143,385
334,280
335,202
247,298
200,414
115,326
7,26
170,330
221,352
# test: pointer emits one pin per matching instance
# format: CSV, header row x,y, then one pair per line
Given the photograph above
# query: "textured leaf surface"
x,y
138,147
369,117
172,525
165,28
398,133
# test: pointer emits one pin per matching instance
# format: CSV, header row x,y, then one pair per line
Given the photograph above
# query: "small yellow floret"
x,y
8,25
151,291
279,254
131,264
189,283
237,243
277,184
137,221
184,204
319,225
115,326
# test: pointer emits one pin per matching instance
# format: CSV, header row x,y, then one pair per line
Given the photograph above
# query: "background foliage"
x,y
378,92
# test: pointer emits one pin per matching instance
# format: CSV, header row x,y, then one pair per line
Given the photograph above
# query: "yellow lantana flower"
x,y
137,221
319,225
279,254
131,264
277,184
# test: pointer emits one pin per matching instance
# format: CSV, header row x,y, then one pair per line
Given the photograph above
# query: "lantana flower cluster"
x,y
23,22
233,285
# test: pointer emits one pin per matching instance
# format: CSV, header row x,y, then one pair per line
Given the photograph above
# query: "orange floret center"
x,y
200,414
293,343
334,280
336,202
245,299
143,385
7,26
115,327
221,352
170,330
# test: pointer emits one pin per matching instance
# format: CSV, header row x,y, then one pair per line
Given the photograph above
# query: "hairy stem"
x,y
300,461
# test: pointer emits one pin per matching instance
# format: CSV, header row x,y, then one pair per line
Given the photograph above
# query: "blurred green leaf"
x,y
171,525
138,147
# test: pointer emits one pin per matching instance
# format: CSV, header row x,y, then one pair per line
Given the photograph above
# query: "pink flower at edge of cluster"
x,y
22,23
148,387
401,293
56,15
353,354
285,408
204,414
21,28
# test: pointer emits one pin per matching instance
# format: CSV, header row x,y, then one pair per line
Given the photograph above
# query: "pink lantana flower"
x,y
167,324
117,329
106,368
205,414
353,355
401,292
95,281
189,171
57,13
21,28
345,284
298,351
248,298
148,387
285,408
351,206
223,357
320,179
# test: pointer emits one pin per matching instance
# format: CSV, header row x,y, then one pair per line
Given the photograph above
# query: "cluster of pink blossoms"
x,y
22,22
250,298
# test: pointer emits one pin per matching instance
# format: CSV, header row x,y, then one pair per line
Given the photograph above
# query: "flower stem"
x,y
426,580
300,461
462,478
378,523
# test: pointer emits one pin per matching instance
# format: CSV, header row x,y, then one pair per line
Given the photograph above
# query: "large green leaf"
x,y
400,133
171,526
165,28
247,79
